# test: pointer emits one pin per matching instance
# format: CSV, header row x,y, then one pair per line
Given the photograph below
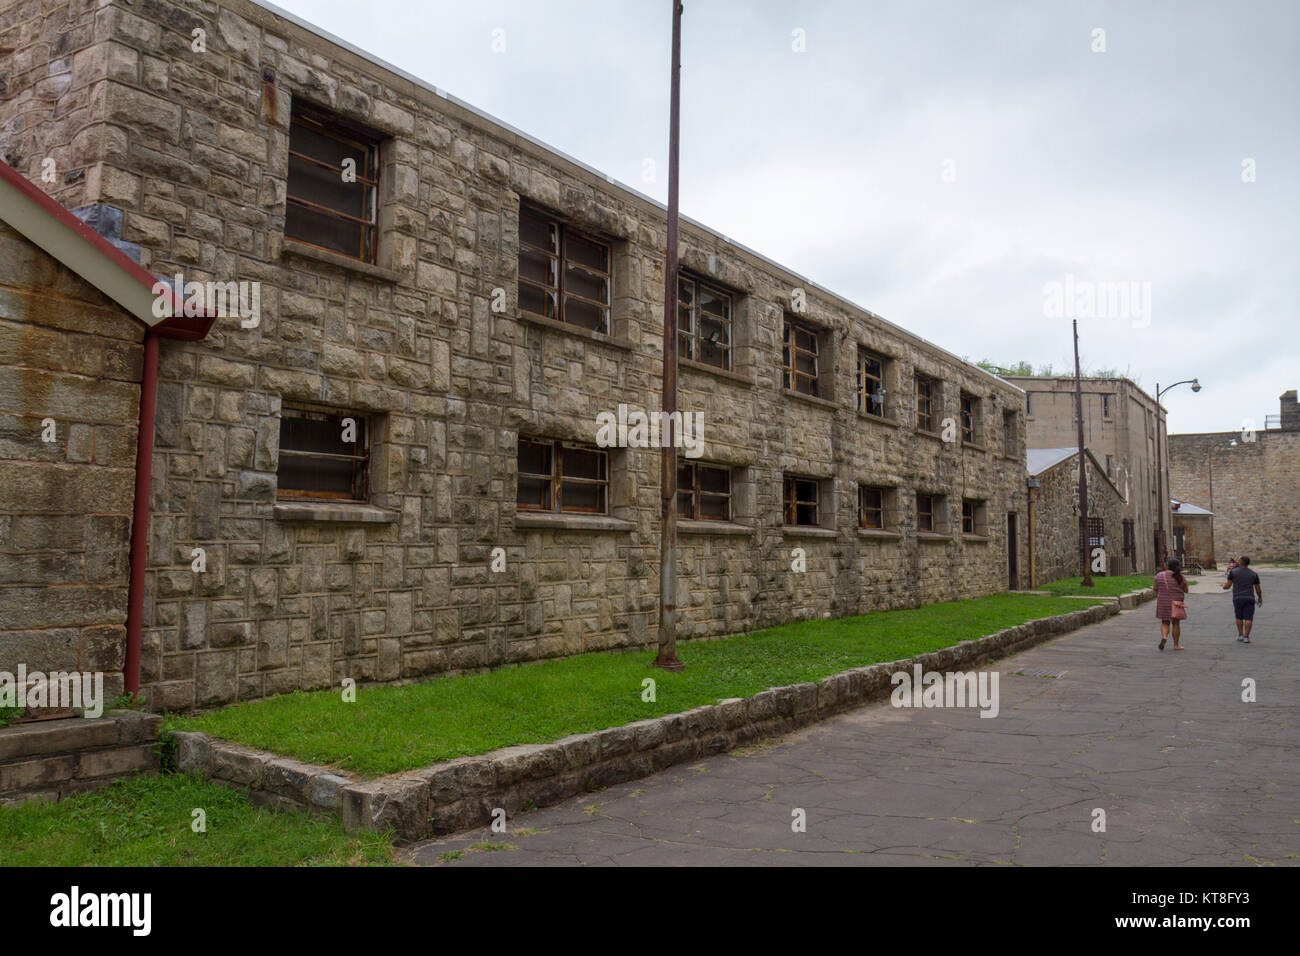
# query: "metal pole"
x,y
1160,489
1083,468
667,657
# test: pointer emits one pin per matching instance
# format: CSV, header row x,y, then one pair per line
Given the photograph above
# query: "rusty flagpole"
x,y
667,657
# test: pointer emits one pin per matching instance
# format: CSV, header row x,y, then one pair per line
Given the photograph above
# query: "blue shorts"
x,y
1244,608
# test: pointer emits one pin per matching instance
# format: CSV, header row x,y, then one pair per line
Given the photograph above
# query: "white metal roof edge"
x,y
443,94
51,234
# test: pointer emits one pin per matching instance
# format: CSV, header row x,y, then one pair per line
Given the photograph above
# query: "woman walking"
x,y
1171,609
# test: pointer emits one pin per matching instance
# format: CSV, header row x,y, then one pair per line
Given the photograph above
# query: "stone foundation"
x,y
52,759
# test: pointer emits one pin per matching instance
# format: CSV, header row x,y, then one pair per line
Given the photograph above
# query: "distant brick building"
x,y
393,472
1250,479
1119,427
1054,515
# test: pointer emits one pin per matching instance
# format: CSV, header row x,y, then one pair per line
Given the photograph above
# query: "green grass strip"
x,y
146,821
392,729
1104,586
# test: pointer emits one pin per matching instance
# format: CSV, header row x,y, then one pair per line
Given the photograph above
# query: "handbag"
x,y
1180,611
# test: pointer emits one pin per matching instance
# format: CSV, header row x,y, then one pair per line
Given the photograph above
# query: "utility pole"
x,y
667,657
1083,468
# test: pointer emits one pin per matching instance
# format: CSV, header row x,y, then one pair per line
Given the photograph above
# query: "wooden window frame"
x,y
790,350
1107,406
925,418
559,255
867,510
791,501
926,513
693,493
973,516
367,144
867,402
970,415
361,459
556,480
689,336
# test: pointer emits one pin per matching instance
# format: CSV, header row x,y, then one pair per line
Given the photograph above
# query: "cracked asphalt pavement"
x,y
1185,770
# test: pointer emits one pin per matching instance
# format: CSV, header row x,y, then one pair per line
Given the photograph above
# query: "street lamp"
x,y
1160,470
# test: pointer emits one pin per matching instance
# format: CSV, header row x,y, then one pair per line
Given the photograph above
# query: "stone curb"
x,y
463,793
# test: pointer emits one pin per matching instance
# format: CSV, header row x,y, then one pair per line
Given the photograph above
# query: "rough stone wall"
x,y
199,164
53,59
1056,520
1127,435
1198,538
71,359
1253,488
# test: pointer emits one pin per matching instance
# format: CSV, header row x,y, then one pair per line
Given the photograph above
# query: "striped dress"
x,y
1167,592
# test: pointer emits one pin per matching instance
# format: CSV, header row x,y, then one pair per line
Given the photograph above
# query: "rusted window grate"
x,y
1096,531
871,383
560,476
563,274
317,460
704,492
801,500
331,193
800,358
704,322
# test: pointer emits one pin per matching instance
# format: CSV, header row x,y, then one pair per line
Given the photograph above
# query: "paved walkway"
x,y
1186,772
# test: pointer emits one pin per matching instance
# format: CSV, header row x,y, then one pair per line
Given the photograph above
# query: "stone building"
x,y
73,310
1119,426
1250,479
1054,516
385,464
1192,537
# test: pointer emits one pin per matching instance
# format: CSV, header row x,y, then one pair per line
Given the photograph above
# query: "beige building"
x,y
1119,427
1054,516
1250,479
386,462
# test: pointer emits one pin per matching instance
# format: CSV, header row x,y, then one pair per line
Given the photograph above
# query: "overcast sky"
x,y
940,163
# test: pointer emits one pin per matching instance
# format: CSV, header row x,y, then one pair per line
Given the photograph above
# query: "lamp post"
x,y
1160,470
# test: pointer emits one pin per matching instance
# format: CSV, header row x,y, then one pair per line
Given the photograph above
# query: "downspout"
x,y
140,516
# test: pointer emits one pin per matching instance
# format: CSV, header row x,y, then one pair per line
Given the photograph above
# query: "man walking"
x,y
1243,581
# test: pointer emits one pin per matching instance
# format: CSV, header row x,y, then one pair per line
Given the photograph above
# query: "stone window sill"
x,y
339,512
881,533
810,399
807,531
571,522
568,329
867,416
728,374
925,434
978,538
304,251
696,526
974,446
933,536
